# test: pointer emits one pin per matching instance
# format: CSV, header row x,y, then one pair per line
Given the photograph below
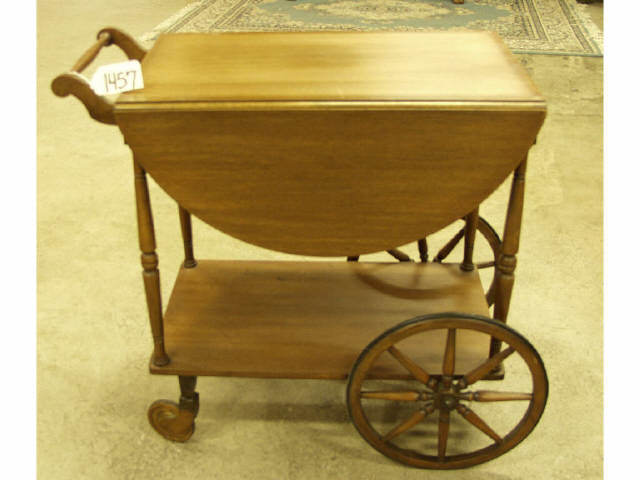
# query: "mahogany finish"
x,y
185,227
149,260
445,393
100,108
176,421
308,319
507,261
281,140
330,67
311,143
470,228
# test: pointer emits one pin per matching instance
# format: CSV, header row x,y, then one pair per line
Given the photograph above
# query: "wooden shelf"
x,y
311,319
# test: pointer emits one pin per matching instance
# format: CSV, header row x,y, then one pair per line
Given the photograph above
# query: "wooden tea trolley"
x,y
340,144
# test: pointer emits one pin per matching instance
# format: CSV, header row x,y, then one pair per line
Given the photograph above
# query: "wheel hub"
x,y
445,396
448,402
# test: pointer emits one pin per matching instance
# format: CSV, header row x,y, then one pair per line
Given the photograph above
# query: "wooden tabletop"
x,y
330,144
332,67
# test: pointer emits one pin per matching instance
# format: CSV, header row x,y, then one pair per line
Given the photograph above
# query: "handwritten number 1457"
x,y
117,81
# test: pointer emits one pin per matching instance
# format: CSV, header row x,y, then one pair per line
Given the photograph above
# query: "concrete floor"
x,y
93,336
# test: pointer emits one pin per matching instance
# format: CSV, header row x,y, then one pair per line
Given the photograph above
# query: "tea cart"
x,y
334,144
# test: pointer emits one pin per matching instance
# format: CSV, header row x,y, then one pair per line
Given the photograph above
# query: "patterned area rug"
x,y
528,26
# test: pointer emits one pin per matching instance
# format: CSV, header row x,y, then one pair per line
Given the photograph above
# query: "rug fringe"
x,y
592,29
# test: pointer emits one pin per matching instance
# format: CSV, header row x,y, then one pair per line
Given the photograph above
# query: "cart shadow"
x,y
267,411
414,287
328,425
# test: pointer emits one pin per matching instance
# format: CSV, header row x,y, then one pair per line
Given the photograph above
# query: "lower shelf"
x,y
311,319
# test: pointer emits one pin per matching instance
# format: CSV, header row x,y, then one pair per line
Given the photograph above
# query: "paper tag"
x,y
117,77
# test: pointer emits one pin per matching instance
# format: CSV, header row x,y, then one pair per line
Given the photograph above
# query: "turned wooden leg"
x,y
176,421
149,259
185,226
507,260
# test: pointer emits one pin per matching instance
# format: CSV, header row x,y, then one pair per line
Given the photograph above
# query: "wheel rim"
x,y
443,395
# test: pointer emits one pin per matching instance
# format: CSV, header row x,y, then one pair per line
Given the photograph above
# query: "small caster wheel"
x,y
170,421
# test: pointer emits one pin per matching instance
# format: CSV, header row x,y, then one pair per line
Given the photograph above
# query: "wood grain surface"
x,y
324,66
330,144
312,319
330,183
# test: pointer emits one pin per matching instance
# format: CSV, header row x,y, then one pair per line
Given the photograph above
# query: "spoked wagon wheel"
x,y
487,232
444,420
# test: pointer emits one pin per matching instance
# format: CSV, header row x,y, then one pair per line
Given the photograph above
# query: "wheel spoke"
x,y
439,392
400,256
443,433
411,422
470,416
484,369
407,396
413,368
423,249
448,248
491,396
449,362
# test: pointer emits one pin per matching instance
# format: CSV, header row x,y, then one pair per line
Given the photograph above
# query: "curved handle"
x,y
132,49
100,108
104,38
